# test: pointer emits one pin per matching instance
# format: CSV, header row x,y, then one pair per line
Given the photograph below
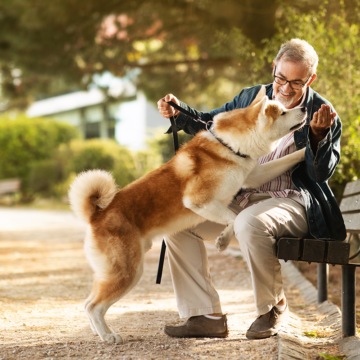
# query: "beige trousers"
x,y
257,227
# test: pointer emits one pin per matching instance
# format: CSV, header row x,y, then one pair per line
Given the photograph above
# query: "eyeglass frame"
x,y
289,81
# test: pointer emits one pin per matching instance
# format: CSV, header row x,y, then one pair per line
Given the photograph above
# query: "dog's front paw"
x,y
113,338
223,240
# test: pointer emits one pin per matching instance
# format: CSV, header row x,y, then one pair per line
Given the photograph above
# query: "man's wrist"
x,y
319,134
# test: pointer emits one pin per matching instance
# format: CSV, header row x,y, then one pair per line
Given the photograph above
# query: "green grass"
x,y
330,357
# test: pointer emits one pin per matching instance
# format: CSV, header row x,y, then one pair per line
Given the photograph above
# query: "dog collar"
x,y
222,143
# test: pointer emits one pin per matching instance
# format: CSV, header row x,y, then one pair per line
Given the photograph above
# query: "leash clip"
x,y
195,118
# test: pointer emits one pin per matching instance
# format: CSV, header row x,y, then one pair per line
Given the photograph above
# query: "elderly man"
x,y
298,203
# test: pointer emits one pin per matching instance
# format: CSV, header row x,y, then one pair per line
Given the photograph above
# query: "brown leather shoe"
x,y
199,326
268,324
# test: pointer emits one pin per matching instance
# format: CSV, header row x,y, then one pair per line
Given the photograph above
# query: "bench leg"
x,y
348,298
322,281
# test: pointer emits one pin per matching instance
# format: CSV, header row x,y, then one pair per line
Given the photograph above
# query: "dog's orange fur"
x,y
247,117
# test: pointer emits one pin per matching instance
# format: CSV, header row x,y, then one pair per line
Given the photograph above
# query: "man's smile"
x,y
287,95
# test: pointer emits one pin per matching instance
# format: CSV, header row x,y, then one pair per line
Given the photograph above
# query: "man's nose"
x,y
287,88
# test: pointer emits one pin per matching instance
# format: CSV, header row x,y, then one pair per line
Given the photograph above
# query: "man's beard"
x,y
287,102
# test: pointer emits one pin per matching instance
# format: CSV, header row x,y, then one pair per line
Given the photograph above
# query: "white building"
x,y
124,114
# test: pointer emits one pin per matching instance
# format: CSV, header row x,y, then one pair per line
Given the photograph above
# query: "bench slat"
x,y
9,186
352,188
351,203
352,222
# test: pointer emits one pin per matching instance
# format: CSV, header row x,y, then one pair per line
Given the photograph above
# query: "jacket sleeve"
x,y
321,166
190,126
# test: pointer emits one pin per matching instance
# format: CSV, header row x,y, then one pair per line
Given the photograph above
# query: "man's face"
x,y
291,71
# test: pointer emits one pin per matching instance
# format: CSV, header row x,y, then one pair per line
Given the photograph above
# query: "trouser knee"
x,y
249,230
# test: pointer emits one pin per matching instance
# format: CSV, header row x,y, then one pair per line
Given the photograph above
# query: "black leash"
x,y
163,245
194,117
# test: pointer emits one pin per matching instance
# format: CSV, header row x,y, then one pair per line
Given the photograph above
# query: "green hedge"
x,y
47,155
24,141
78,156
54,176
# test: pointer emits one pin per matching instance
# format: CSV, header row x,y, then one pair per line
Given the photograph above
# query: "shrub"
x,y
24,141
79,155
163,145
43,176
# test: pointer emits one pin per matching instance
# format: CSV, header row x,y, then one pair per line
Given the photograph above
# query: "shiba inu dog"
x,y
196,185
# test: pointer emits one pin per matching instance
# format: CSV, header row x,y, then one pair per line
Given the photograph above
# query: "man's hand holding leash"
x,y
165,109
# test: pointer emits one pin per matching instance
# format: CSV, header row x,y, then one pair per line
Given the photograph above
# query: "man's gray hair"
x,y
297,50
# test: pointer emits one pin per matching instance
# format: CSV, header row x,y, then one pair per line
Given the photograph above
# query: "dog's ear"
x,y
260,95
273,111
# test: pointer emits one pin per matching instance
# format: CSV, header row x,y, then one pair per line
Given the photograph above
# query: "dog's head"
x,y
273,119
261,124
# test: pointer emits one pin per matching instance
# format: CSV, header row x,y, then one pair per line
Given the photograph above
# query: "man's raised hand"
x,y
322,120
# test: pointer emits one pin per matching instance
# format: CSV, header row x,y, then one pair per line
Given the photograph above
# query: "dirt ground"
x,y
45,278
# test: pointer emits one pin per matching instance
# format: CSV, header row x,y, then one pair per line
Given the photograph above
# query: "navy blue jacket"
x,y
310,176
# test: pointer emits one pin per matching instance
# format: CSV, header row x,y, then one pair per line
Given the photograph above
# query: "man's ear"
x,y
313,77
260,95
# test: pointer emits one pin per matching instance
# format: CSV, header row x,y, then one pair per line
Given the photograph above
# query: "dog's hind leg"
x,y
104,294
87,302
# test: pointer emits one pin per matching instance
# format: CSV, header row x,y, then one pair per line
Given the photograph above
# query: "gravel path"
x,y
45,278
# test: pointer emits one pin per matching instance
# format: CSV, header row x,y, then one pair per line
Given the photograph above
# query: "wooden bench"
x,y
334,253
9,186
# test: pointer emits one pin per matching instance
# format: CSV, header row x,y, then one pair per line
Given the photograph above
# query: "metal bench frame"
x,y
334,253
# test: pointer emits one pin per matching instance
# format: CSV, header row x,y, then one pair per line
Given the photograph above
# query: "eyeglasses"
x,y
294,84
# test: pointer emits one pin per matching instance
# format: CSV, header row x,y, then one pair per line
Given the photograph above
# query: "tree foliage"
x,y
335,40
180,46
203,51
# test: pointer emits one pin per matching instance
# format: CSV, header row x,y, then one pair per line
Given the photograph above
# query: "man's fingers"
x,y
325,116
315,117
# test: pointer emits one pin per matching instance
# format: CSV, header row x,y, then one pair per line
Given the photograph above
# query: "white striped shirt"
x,y
281,186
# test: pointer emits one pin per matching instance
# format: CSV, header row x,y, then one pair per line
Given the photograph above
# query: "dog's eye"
x,y
283,113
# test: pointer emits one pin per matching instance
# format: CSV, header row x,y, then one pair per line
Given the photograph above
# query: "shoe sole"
x,y
260,335
223,335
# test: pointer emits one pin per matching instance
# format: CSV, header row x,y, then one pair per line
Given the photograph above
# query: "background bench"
x,y
335,253
9,186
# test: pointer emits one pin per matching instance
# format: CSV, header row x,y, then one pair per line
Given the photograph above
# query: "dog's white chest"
x,y
233,181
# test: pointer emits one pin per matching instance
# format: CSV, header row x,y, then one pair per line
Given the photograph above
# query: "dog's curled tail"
x,y
89,190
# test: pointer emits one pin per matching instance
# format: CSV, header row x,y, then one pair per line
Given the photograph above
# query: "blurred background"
x,y
79,80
